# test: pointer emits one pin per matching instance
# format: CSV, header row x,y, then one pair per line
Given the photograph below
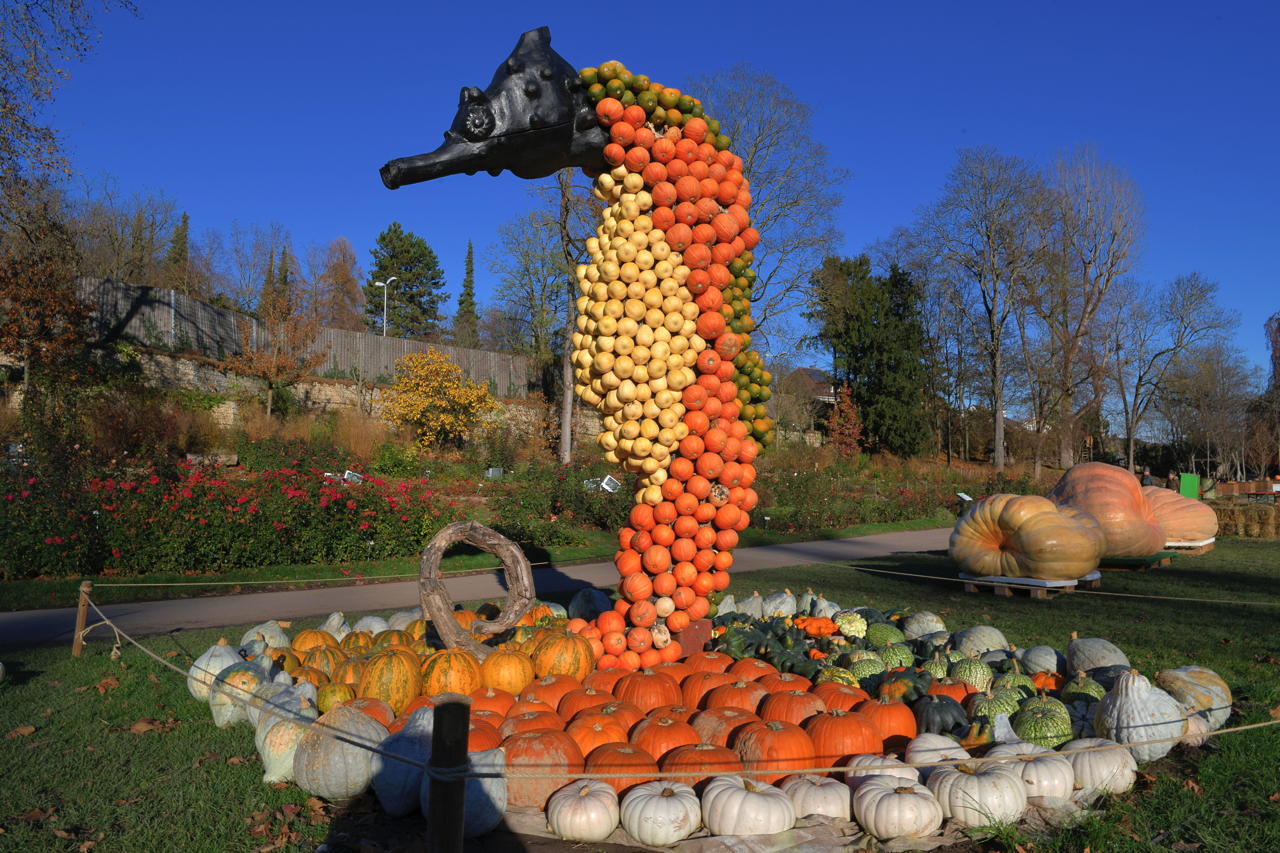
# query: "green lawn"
x,y
595,545
82,774
1234,803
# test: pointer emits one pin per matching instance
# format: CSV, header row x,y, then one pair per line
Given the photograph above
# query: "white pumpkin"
x,y
822,607
486,797
397,783
272,632
265,696
400,620
862,767
1047,774
373,624
1110,771
1086,653
979,639
661,814
588,603
930,747
732,805
818,795
979,795
230,691
216,658
1201,691
277,741
919,624
887,807
779,604
337,769
1197,731
1135,711
585,810
336,624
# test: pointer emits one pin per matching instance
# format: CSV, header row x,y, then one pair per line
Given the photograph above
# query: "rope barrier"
x,y
986,582
353,581
452,774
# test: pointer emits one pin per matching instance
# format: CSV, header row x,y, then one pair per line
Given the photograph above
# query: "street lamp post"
x,y
386,286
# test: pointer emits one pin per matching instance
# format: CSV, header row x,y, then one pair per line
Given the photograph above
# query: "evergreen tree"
x,y
872,326
466,323
414,298
177,261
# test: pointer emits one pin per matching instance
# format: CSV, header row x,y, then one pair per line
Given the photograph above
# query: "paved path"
x,y
41,627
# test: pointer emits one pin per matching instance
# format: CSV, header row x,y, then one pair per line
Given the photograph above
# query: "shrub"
x,y
203,522
394,461
550,506
431,397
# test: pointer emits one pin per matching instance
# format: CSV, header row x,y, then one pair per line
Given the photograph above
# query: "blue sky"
x,y
283,111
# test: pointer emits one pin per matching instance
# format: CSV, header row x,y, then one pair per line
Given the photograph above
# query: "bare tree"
x,y
1146,332
246,260
794,187
124,237
1205,401
1089,241
981,250
335,285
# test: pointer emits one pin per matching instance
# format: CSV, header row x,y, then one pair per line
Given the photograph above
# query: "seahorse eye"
x,y
479,122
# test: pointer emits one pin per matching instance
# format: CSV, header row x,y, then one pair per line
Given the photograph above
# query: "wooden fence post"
x,y
447,801
82,616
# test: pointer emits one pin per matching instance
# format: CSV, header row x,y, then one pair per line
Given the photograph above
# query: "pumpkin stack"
x,y
661,351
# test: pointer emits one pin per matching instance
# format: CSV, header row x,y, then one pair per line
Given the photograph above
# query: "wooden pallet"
x,y
1138,564
1036,588
1191,549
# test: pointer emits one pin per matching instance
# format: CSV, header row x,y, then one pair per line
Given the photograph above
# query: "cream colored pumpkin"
x,y
732,805
1109,771
1113,496
337,769
585,810
1201,691
979,794
277,741
205,670
1046,773
1135,711
887,807
818,795
1182,519
1026,536
927,747
661,814
863,767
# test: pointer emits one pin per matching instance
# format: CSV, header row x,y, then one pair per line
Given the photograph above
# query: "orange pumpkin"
x,y
508,671
838,736
1113,496
891,719
774,746
310,638
648,689
491,699
1182,519
553,754
698,684
393,678
531,721
589,734
780,682
1026,536
792,706
701,762
375,708
659,735
744,695
622,758
719,726
482,736
451,671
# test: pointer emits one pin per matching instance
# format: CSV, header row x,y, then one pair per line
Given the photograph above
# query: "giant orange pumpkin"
x,y
1026,536
551,753
1114,497
1182,519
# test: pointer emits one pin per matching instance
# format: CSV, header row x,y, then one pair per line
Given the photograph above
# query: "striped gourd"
x,y
393,678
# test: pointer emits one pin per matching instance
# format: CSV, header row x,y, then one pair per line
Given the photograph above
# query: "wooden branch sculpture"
x,y
438,606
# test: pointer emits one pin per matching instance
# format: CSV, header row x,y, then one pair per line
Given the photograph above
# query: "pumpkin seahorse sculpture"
x,y
663,326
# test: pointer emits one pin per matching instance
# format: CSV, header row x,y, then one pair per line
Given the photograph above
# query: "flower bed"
x,y
205,522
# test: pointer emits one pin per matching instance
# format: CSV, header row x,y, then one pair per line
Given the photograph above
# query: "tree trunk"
x,y
566,400
270,393
997,405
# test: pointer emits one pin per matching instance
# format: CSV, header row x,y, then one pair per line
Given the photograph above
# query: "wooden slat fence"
x,y
162,318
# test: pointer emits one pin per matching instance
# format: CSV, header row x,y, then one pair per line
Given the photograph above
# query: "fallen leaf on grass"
x,y
47,713
146,724
20,731
290,810
108,683
1185,845
208,756
152,676
1274,798
62,833
171,654
280,786
1275,713
37,815
1193,786
238,759
87,845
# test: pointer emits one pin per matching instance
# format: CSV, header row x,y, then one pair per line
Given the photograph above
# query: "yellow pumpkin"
x,y
1026,536
1114,497
1182,519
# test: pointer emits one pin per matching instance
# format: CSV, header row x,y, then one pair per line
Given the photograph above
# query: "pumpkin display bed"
x,y
784,695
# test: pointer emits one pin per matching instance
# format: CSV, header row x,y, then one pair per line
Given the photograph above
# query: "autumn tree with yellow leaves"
x,y
432,396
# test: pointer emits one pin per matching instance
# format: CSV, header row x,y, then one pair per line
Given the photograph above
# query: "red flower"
x,y
364,525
